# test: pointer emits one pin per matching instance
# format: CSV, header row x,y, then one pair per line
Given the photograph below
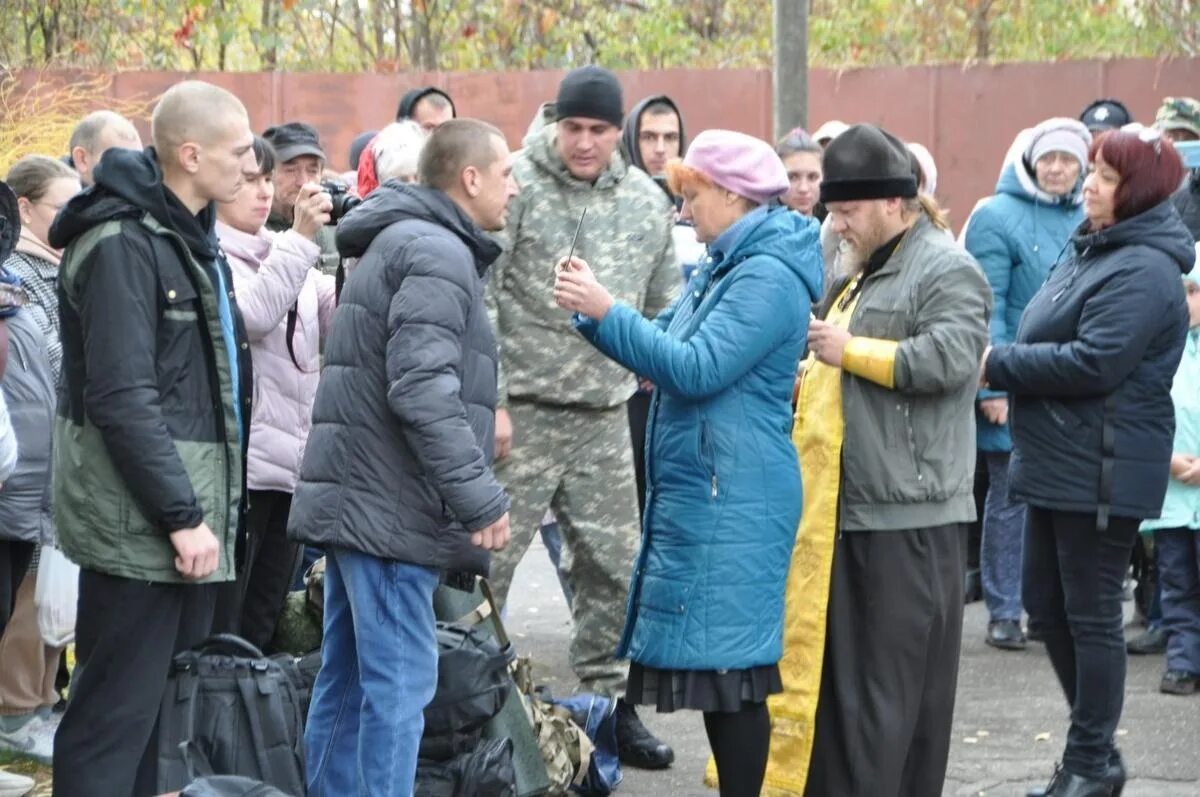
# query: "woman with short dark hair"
x,y
287,305
1089,380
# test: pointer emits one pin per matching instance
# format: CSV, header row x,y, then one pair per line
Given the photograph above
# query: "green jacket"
x,y
148,437
625,238
908,452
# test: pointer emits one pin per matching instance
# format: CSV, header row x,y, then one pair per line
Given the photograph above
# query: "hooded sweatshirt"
x,y
156,376
633,129
625,238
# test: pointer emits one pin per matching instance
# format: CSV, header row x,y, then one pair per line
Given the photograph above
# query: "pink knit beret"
x,y
739,163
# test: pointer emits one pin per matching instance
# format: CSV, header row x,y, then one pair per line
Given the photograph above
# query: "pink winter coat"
x,y
271,273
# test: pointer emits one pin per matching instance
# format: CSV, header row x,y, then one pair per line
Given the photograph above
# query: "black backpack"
x,y
229,710
473,684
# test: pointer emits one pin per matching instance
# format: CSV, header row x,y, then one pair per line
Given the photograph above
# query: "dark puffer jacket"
x,y
1090,373
397,464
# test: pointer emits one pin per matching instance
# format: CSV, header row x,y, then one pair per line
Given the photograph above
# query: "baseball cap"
x,y
1178,113
1104,115
293,139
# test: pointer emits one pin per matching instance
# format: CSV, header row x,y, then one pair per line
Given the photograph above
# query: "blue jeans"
x,y
378,672
1179,577
1001,543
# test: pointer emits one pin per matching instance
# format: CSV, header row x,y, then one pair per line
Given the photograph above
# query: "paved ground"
x,y
1009,724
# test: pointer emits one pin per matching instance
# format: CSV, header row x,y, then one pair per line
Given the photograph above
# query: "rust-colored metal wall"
x,y
967,116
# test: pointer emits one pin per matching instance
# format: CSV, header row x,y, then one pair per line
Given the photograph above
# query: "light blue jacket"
x,y
1181,507
1016,236
723,494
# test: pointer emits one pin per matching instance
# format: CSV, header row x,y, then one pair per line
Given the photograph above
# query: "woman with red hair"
x,y
1089,380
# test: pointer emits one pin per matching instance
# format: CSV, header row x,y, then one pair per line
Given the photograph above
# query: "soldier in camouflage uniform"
x,y
300,160
569,432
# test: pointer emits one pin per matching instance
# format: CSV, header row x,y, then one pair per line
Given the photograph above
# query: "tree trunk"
x,y
983,30
269,55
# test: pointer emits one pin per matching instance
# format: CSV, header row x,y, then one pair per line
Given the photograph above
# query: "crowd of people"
x,y
754,398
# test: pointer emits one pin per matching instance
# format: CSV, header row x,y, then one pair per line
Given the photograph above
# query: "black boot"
x,y
1068,784
636,745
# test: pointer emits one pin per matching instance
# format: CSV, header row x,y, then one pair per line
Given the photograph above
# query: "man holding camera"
x,y
300,161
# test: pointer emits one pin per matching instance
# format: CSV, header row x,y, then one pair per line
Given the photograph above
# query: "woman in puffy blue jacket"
x,y
723,496
1016,236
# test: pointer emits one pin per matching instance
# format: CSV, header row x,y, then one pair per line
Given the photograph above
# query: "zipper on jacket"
x,y
709,456
912,440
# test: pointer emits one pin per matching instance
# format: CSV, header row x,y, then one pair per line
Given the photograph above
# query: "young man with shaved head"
x,y
150,440
97,133
396,482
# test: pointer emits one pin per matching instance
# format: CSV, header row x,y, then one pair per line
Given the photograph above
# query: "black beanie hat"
x,y
591,92
410,99
866,162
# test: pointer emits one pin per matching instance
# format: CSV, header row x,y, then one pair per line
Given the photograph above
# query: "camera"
x,y
343,200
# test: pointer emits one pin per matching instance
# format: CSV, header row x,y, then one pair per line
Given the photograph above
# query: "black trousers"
x,y
1072,588
891,664
14,563
251,607
125,636
639,414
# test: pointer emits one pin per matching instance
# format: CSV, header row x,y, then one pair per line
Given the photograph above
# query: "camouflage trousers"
x,y
578,462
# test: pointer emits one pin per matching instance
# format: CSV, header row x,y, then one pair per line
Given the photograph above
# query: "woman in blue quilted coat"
x,y
723,495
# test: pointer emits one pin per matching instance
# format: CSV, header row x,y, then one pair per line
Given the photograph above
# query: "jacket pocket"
x,y
1064,418
880,322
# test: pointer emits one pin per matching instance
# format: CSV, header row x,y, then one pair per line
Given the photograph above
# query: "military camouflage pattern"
x,y
626,239
1179,113
566,749
579,463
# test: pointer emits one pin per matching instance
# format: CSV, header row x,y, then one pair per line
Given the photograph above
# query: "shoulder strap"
x,y
246,688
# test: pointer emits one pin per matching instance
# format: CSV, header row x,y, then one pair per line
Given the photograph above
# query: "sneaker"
x,y
32,740
14,785
1179,682
1005,635
1150,642
636,745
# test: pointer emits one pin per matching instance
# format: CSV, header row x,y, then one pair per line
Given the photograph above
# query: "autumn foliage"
x,y
38,118
398,35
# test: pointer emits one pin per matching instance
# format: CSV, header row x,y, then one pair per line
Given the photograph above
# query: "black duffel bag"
x,y
473,683
229,710
486,771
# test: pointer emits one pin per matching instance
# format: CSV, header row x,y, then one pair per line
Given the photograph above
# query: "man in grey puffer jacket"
x,y
396,481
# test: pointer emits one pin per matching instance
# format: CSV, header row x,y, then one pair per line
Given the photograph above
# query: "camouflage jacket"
x,y
626,239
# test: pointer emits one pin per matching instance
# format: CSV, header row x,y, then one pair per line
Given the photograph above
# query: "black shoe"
x,y
1068,784
636,745
1150,642
1179,682
1033,634
972,587
1005,635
